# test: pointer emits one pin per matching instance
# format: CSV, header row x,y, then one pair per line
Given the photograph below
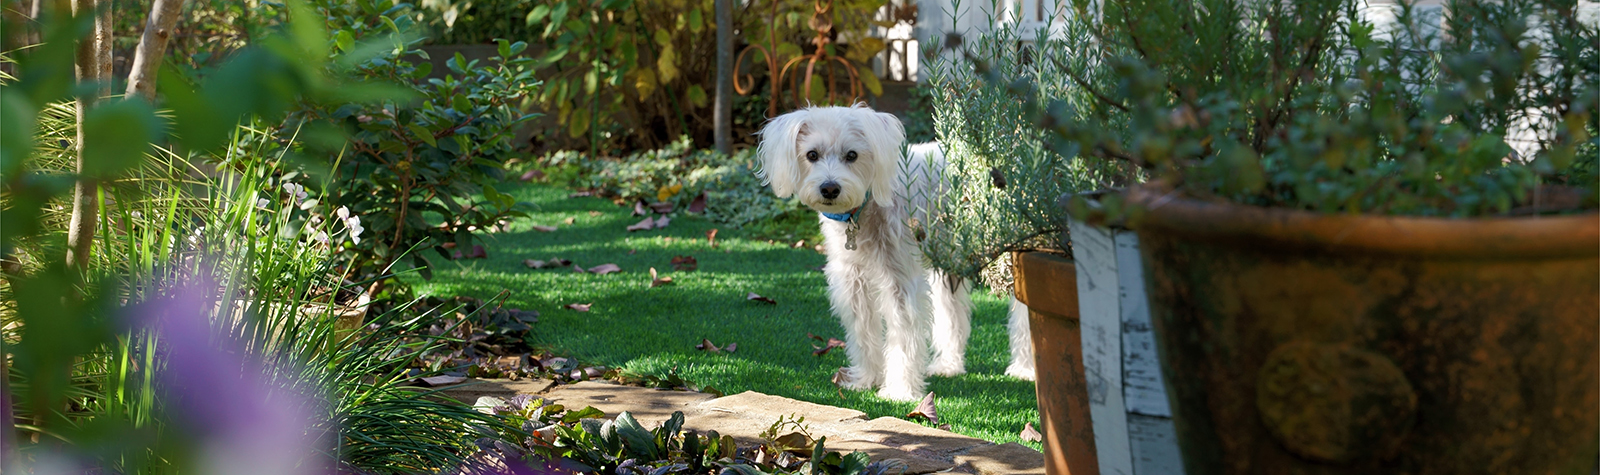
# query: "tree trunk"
x,y
153,48
85,207
723,129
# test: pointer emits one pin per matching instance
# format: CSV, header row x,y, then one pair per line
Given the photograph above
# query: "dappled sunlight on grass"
x,y
654,331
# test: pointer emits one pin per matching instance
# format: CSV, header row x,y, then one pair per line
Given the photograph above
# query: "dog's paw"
x,y
1020,371
854,379
900,394
947,368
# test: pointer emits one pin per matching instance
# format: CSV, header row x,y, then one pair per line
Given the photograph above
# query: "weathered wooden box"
x,y
1133,431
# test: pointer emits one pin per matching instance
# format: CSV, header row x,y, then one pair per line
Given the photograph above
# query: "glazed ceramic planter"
x,y
1048,284
1296,342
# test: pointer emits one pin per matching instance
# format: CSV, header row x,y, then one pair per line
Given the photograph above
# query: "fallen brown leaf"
x,y
699,204
446,380
799,244
711,237
661,222
595,213
1030,434
543,228
658,281
531,175
753,296
706,345
642,225
828,344
684,263
569,220
581,307
661,207
559,262
925,410
604,269
580,194
533,264
639,210
478,252
732,347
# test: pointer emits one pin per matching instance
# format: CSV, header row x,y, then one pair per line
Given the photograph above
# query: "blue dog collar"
x,y
845,217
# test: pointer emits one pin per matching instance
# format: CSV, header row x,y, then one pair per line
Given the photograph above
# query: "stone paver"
x,y
469,391
744,416
1010,458
649,406
751,401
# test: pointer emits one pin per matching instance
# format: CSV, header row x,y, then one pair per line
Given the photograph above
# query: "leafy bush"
x,y
1340,115
626,74
207,325
413,172
1003,174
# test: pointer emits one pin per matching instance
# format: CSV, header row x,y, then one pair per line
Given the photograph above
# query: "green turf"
x,y
653,330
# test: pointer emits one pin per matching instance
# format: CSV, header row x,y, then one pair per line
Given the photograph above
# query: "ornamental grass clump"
x,y
1333,106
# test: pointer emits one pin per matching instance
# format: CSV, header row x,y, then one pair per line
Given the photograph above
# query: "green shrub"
x,y
1311,106
89,367
626,74
417,171
1003,174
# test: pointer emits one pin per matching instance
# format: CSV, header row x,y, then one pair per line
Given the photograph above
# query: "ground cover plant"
x,y
620,320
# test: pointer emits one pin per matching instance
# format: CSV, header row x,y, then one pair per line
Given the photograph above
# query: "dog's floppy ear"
x,y
780,139
886,138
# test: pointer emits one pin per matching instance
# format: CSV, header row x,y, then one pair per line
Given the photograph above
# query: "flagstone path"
x,y
745,415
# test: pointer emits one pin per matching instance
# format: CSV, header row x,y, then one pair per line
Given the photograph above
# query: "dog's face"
x,y
831,157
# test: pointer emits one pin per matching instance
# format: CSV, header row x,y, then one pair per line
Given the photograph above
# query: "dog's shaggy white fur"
x,y
845,161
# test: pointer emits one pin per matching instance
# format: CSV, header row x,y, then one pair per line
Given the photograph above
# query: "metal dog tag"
x,y
850,235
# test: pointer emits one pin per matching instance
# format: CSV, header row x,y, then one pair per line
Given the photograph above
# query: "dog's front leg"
x,y
863,339
903,303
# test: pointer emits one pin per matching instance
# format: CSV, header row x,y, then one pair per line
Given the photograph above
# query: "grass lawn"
x,y
654,330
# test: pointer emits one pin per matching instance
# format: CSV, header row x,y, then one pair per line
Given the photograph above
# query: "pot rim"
x,y
1169,212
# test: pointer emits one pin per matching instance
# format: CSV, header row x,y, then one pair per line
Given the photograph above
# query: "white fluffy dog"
x,y
845,163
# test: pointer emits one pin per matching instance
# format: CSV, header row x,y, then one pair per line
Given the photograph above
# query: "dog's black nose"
x,y
830,190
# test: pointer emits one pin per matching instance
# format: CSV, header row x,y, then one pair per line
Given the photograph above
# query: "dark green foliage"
x,y
633,75
419,171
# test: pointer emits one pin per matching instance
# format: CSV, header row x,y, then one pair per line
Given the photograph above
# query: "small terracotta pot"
x,y
1048,284
1297,342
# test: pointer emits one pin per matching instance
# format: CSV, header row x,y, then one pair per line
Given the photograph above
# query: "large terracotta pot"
x,y
1296,342
1048,284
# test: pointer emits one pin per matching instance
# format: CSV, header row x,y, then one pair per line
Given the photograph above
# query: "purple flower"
x,y
243,417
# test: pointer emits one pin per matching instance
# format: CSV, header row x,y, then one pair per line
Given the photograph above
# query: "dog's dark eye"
x,y
850,157
812,155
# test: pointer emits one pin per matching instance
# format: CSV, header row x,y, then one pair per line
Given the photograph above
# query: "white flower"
x,y
315,220
321,237
262,203
355,239
296,191
342,212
